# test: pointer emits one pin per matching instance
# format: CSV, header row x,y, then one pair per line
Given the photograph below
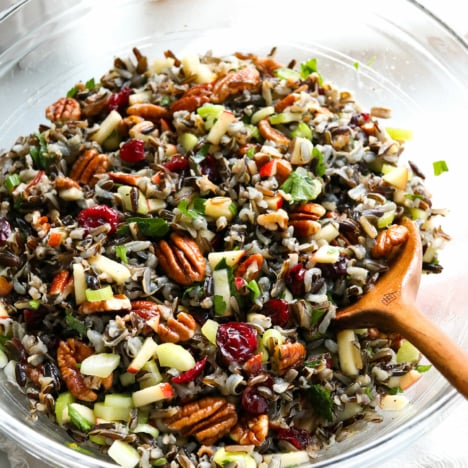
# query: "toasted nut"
x,y
274,220
151,112
312,211
252,431
63,110
181,259
5,286
287,101
305,227
88,165
62,283
391,237
288,356
117,303
193,98
177,329
270,133
246,79
124,178
69,354
208,419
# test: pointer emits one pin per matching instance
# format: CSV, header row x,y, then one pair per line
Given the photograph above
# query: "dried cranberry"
x,y
132,151
177,163
237,341
294,279
278,311
5,230
33,318
119,101
209,168
296,436
97,216
253,402
191,374
360,119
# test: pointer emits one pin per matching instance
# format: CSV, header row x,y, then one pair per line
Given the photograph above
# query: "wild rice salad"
x,y
174,245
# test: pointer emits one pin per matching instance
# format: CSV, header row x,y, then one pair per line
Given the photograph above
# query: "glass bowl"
x,y
393,54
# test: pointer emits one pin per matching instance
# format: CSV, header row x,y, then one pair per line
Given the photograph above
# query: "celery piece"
x,y
81,416
285,117
11,182
124,454
111,413
101,294
399,134
61,407
302,130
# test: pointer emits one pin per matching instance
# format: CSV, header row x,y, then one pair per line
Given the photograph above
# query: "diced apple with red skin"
x,y
146,352
231,257
409,379
220,127
145,396
275,202
279,168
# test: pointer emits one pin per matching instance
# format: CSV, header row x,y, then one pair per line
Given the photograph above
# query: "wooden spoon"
x,y
391,306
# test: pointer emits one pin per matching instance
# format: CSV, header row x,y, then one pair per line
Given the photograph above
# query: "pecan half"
x,y
252,431
117,303
391,237
304,219
87,166
288,356
151,112
246,79
181,259
193,98
181,328
208,419
270,133
63,110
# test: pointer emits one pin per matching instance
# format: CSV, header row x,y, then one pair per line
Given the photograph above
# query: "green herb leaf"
x,y
219,305
301,186
195,212
251,152
74,323
316,315
90,84
38,153
308,67
200,155
439,167
321,401
395,391
74,446
320,166
314,363
72,92
151,227
423,368
121,252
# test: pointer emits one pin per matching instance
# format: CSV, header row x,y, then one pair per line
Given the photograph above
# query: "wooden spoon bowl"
x,y
391,306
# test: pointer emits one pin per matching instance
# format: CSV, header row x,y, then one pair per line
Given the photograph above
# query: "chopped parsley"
x,y
121,252
322,401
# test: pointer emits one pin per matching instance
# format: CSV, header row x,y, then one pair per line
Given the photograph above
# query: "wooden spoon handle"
x,y
449,358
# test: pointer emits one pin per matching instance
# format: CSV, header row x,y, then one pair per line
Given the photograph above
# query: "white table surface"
x,y
446,445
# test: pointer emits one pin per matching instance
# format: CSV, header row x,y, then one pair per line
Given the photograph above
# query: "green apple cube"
x,y
176,356
117,271
146,396
124,454
220,206
146,429
210,330
111,413
295,458
348,353
223,457
100,365
119,400
108,125
220,127
146,352
407,352
79,283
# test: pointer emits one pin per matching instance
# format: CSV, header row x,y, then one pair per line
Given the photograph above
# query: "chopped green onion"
x,y
439,167
12,181
219,305
102,294
253,287
121,252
